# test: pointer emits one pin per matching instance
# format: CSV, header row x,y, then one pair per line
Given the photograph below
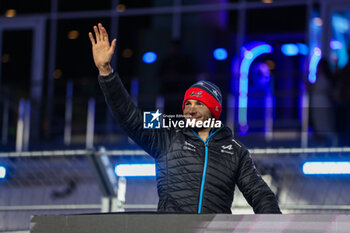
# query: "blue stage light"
x,y
135,170
315,59
290,49
303,49
149,57
340,23
335,44
2,172
220,54
326,168
251,51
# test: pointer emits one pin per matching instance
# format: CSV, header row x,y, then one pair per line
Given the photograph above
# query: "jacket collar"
x,y
222,132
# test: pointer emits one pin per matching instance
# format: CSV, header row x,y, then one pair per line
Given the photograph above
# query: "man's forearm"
x,y
117,97
129,116
254,188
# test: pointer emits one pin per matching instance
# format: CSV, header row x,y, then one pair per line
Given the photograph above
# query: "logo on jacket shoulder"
x,y
227,149
151,120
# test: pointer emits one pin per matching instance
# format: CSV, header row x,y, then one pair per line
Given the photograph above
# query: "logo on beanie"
x,y
196,94
215,93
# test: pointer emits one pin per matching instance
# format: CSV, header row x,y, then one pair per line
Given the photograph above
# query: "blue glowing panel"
x,y
149,57
2,172
335,44
135,170
250,53
315,59
220,54
340,27
326,168
340,23
303,49
290,49
242,115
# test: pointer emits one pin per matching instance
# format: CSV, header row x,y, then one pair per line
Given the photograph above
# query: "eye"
x,y
187,103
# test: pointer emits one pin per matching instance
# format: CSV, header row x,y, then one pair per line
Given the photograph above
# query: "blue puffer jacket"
x,y
193,176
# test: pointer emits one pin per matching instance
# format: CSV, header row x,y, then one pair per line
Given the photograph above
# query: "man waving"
x,y
197,166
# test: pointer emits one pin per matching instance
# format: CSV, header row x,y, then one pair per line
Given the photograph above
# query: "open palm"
x,y
102,50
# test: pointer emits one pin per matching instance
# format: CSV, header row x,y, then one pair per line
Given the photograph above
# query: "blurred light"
x,y
10,13
340,27
317,51
2,172
149,57
5,58
220,54
317,21
271,64
267,1
127,53
57,73
251,51
248,55
121,8
315,59
303,49
326,168
290,49
242,114
340,23
134,170
264,69
335,44
73,34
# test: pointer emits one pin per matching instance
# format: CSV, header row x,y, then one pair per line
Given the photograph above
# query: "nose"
x,y
190,109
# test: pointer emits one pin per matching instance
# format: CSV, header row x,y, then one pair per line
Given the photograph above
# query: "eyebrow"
x,y
197,101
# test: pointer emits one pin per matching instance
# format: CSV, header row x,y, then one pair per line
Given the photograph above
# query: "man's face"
x,y
195,109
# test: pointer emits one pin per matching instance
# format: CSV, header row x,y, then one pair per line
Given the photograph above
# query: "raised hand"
x,y
102,50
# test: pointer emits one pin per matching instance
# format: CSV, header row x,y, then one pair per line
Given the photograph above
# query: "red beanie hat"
x,y
208,93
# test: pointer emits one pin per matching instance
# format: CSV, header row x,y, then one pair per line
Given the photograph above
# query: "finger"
x,y
100,30
97,34
104,34
92,39
114,42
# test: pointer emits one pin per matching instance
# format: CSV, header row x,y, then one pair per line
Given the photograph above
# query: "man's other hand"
x,y
102,50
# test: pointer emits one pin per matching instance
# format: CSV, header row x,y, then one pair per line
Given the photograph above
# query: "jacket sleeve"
x,y
130,117
253,187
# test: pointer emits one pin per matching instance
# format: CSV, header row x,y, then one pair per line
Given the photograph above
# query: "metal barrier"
x,y
83,181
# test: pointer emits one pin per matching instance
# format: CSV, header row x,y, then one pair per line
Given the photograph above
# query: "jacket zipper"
x,y
203,178
204,169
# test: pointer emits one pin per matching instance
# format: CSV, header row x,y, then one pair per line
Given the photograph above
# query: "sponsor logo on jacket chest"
x,y
189,146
